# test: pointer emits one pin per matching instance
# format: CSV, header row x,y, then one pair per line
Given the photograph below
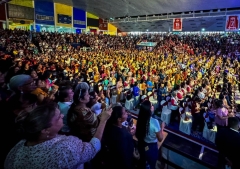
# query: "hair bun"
x,y
21,117
20,121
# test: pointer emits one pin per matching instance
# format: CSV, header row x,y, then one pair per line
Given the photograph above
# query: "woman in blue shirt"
x,y
148,133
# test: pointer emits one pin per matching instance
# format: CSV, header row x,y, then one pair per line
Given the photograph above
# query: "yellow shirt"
x,y
96,78
143,86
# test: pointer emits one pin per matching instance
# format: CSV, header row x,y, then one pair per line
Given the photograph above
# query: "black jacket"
x,y
228,144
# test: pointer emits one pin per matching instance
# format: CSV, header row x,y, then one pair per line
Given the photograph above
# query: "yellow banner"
x,y
89,15
28,3
112,30
61,9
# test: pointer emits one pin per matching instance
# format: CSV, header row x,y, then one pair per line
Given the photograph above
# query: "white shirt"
x,y
175,101
201,95
154,127
58,153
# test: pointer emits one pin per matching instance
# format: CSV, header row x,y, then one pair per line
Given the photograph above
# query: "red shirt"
x,y
184,91
179,95
174,102
189,89
144,77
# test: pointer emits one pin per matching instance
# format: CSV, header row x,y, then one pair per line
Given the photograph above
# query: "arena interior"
x,y
120,84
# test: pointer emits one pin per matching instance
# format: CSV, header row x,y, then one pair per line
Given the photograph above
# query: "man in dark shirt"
x,y
228,144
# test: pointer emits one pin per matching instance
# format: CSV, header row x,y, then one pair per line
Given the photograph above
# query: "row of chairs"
x,y
186,120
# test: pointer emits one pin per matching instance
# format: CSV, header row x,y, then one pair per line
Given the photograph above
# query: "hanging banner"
x,y
102,25
2,12
64,19
79,18
44,12
232,23
177,24
63,15
22,12
89,15
112,30
22,3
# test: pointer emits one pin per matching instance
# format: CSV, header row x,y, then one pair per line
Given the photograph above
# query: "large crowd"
x,y
65,107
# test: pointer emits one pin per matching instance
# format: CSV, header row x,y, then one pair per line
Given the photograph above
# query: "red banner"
x,y
177,24
232,23
103,25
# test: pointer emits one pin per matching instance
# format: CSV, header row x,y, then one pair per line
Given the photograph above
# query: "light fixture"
x,y
203,29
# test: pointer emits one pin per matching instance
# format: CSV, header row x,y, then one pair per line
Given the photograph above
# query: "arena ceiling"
x,y
122,8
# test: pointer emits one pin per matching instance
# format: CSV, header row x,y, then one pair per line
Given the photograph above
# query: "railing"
x,y
168,16
179,151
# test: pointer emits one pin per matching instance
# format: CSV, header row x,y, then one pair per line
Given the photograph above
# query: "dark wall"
x,y
2,12
92,22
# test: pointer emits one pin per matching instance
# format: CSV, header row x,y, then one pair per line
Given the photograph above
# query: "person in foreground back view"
x,y
228,144
43,148
118,140
148,133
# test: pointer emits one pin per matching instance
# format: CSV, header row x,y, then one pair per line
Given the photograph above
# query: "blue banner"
x,y
79,18
64,19
44,12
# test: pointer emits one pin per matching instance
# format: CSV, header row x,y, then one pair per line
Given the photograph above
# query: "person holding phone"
x,y
81,120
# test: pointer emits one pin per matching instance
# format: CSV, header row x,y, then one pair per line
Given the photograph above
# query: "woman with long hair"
x,y
148,133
